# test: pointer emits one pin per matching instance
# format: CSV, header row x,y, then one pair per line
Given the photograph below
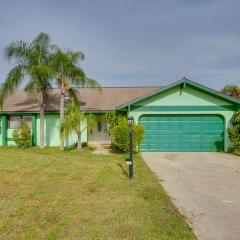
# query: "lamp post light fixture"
x,y
130,162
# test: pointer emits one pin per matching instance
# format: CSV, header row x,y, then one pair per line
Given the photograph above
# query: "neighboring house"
x,y
184,116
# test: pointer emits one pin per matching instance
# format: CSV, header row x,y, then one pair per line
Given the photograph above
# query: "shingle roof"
x,y
90,99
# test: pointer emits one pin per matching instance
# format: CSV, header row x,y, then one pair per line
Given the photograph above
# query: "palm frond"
x,y
42,39
31,86
92,84
75,57
77,76
17,50
13,80
91,121
40,48
74,95
42,72
61,62
82,81
73,118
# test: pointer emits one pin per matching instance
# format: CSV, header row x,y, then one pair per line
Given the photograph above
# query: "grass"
x,y
50,194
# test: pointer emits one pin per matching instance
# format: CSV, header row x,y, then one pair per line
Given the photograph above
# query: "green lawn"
x,y
49,194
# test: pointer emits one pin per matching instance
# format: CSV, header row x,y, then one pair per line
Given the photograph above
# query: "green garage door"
x,y
182,133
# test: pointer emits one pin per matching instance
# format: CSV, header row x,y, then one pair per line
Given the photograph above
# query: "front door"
x,y
99,134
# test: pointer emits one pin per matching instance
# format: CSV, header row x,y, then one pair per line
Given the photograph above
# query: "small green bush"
x,y
138,134
234,132
111,120
23,137
120,136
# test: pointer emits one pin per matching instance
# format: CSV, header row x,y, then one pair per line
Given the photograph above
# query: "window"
x,y
15,121
28,120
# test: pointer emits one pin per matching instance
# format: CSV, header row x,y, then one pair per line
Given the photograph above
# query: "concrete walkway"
x,y
206,189
101,151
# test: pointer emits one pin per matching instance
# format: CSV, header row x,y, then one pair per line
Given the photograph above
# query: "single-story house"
x,y
183,116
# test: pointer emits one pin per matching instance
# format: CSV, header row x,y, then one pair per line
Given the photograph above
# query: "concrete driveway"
x,y
206,189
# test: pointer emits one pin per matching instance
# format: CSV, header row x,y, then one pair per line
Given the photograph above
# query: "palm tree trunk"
x,y
42,125
79,143
62,115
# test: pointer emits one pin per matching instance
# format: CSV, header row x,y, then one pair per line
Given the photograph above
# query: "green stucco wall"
x,y
10,137
185,101
182,97
52,137
51,123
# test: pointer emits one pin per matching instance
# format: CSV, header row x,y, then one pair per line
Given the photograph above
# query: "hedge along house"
x,y
184,116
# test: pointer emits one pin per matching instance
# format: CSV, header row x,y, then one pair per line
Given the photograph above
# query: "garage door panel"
x,y
182,132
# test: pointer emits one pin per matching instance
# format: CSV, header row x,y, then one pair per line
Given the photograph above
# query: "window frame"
x,y
21,119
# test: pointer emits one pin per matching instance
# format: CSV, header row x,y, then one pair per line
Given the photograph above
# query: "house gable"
x,y
183,94
186,98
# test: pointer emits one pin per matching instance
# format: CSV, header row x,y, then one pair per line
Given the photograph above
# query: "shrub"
x,y
234,132
111,120
23,137
120,136
138,134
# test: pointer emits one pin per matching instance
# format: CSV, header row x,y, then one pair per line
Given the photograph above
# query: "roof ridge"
x,y
22,89
121,87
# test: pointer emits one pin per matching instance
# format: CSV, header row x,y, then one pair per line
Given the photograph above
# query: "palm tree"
x,y
32,68
73,120
232,91
69,76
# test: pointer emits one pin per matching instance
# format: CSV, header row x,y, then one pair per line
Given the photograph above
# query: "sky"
x,y
134,42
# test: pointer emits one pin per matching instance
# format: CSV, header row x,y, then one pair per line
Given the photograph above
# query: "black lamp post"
x,y
130,124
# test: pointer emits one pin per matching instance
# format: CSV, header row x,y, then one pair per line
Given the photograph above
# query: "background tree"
x,y
69,76
234,131
73,122
31,67
232,91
